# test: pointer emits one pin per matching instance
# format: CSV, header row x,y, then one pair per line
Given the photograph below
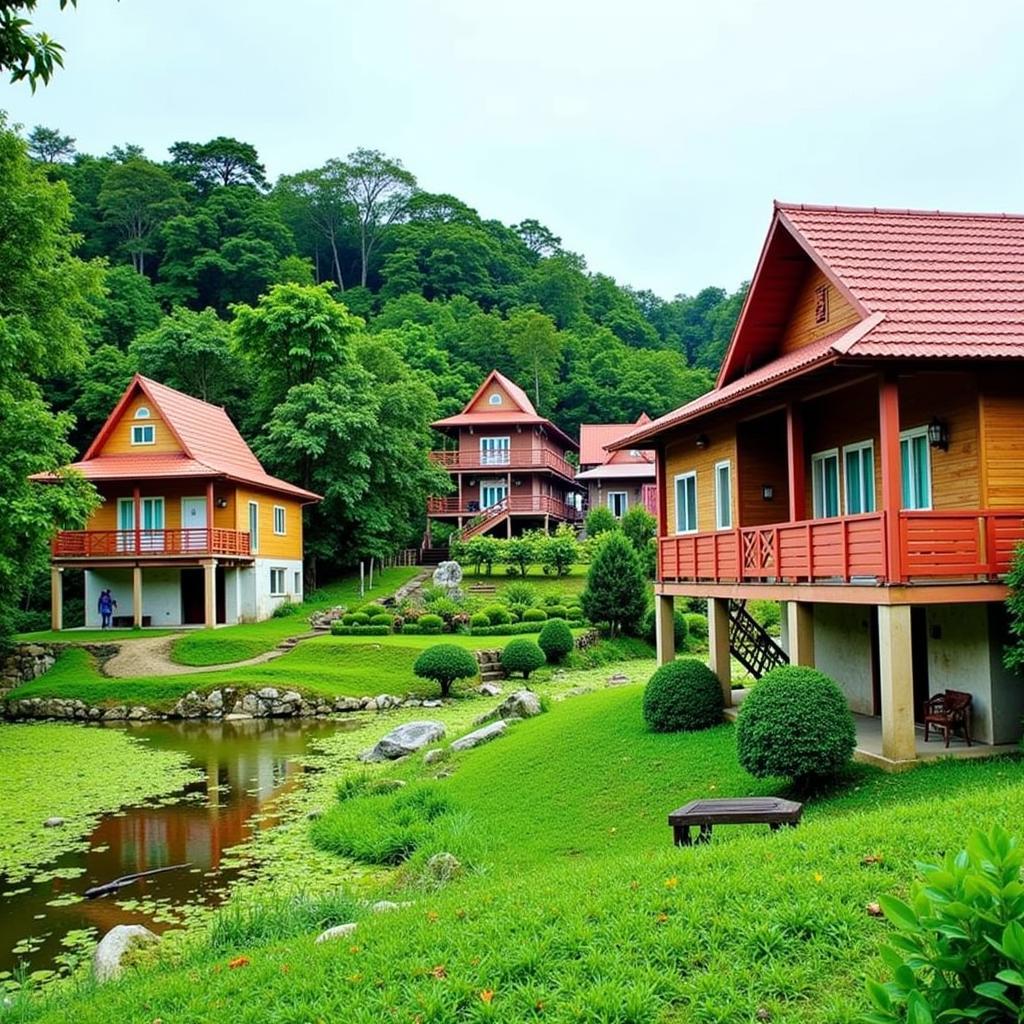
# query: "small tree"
x,y
555,640
522,656
639,526
481,551
616,590
1013,656
521,552
560,551
444,663
600,519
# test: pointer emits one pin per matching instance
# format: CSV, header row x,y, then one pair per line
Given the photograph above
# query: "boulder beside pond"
x,y
106,961
405,739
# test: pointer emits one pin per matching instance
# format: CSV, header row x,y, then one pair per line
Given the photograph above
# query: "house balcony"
x,y
73,545
504,459
963,546
525,504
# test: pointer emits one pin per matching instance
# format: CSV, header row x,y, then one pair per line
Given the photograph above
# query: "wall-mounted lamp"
x,y
703,441
938,434
471,481
767,492
517,482
222,503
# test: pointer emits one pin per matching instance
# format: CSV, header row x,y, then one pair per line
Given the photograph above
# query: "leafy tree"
x,y
1013,656
600,519
193,353
380,189
128,307
136,197
221,161
49,146
541,241
482,550
29,57
106,375
444,664
639,526
521,552
616,589
559,551
536,346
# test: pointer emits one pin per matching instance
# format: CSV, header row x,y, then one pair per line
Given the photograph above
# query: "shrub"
x,y
497,613
768,614
639,526
958,951
382,620
795,722
521,553
683,695
482,550
480,619
534,615
349,619
445,606
430,623
558,611
574,612
696,625
508,629
340,629
550,599
360,619
444,663
555,640
373,610
600,519
519,593
559,551
616,591
1013,656
522,656
681,630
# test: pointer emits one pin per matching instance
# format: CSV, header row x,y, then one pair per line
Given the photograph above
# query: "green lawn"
x,y
559,586
575,905
236,643
90,636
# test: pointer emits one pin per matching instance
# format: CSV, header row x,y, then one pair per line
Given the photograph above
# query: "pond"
x,y
247,765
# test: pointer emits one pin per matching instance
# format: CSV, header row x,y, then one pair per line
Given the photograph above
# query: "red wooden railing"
x,y
540,503
951,545
111,543
508,459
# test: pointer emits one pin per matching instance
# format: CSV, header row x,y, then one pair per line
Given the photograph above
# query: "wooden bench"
x,y
754,810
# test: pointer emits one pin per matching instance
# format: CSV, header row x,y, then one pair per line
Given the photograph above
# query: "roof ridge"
x,y
895,211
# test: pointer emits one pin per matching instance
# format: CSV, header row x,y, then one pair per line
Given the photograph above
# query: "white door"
x,y
193,523
125,524
492,492
152,524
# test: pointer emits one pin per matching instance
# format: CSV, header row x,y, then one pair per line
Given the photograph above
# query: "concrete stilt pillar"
x,y
56,598
210,589
718,645
137,595
800,633
896,669
664,628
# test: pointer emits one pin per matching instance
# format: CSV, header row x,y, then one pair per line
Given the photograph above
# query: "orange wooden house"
x,y
191,528
507,462
861,459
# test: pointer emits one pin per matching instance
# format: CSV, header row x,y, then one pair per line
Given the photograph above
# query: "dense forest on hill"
x,y
334,312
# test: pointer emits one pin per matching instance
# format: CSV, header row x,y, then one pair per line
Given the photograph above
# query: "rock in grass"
x,y
405,739
106,961
384,907
484,735
489,690
339,931
443,867
435,755
619,679
520,704
53,822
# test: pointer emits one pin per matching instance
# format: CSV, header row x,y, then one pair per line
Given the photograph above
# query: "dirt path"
x,y
152,657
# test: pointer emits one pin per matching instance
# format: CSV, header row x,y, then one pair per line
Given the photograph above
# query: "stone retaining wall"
x,y
26,662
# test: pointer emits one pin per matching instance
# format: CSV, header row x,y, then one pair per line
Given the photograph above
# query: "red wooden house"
x,y
616,479
861,459
508,465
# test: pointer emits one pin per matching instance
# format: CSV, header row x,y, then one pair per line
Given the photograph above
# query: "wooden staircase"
x,y
751,645
491,516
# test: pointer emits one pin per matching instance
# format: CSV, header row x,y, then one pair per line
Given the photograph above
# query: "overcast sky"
x,y
651,136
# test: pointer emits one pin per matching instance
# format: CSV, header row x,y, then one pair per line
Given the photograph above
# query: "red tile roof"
x,y
595,437
212,445
928,284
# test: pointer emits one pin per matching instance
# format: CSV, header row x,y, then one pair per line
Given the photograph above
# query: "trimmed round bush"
x,y
681,628
383,619
683,695
349,619
574,613
534,615
497,613
557,611
373,609
522,656
795,723
551,599
555,640
444,663
360,619
430,623
479,619
696,625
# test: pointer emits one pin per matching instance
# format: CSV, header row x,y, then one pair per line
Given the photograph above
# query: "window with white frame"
x,y
723,495
825,483
618,502
916,468
297,589
277,582
142,413
254,527
494,451
686,503
859,477
143,433
279,525
495,399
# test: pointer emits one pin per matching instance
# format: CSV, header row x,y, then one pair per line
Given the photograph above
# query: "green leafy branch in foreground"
x,y
958,954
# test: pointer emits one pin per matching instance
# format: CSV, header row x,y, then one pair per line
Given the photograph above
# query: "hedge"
x,y
339,629
507,629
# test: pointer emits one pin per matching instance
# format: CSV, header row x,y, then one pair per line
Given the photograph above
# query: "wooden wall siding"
x,y
270,544
802,329
956,474
683,456
120,440
1002,431
762,460
105,516
522,438
483,403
